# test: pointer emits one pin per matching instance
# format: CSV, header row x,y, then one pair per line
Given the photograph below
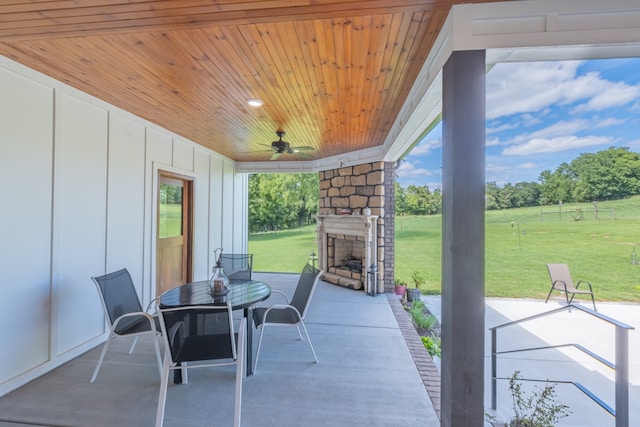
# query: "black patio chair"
x,y
198,337
293,312
124,313
237,266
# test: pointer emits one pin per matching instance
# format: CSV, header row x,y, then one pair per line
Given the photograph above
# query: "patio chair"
x,y
293,312
124,313
237,266
198,337
561,281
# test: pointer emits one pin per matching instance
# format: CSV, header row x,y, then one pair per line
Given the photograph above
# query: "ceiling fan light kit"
x,y
281,147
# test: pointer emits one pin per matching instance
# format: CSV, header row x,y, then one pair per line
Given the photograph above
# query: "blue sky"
x,y
541,114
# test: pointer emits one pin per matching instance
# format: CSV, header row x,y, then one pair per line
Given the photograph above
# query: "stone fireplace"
x,y
356,225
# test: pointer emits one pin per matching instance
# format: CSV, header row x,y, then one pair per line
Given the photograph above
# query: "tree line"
x,y
606,175
279,201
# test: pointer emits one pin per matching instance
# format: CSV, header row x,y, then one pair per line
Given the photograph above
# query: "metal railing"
x,y
621,365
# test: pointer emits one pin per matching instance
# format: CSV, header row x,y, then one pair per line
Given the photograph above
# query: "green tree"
x,y
401,200
557,186
609,174
491,196
278,201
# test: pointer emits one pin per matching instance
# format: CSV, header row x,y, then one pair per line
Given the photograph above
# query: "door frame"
x,y
171,172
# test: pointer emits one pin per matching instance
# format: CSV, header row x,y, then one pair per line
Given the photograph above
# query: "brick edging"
x,y
426,368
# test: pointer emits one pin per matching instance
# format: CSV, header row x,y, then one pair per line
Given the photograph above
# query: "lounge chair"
x,y
561,281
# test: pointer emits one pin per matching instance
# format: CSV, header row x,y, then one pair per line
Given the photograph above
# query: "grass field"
x,y
519,242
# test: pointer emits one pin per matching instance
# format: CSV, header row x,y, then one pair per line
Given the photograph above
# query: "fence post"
x,y
622,377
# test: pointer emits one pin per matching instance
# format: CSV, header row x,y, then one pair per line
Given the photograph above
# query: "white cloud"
x,y
609,94
633,145
555,145
514,88
426,147
558,130
502,127
528,87
609,122
527,165
492,142
409,170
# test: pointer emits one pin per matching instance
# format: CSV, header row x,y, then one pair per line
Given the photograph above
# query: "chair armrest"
x,y
584,281
153,304
562,282
281,307
281,293
136,314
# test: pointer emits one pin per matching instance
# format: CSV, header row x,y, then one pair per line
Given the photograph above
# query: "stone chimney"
x,y
351,190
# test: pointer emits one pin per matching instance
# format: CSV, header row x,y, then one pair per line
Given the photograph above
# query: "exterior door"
x,y
174,263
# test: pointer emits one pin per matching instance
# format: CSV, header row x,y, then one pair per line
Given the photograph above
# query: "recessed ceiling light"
x,y
255,102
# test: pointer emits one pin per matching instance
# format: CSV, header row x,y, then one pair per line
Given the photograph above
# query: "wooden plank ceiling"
x,y
332,74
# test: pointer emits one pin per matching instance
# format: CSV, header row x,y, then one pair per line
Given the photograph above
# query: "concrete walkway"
x,y
561,364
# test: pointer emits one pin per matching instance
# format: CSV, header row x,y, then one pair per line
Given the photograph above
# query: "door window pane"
x,y
170,212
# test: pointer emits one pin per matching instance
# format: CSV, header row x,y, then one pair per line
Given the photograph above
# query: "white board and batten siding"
x,y
79,200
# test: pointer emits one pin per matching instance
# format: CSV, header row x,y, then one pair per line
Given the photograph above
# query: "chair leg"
x,y
255,363
133,344
158,357
549,294
101,358
299,333
162,397
184,374
240,368
593,300
304,328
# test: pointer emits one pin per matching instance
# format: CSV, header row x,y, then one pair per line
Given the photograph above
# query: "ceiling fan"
x,y
282,147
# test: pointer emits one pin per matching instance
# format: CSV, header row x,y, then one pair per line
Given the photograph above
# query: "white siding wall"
x,y
78,200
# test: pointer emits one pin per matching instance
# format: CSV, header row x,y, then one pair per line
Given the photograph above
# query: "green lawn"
x,y
519,242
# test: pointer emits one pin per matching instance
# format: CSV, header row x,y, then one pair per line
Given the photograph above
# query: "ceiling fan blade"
x,y
303,148
275,156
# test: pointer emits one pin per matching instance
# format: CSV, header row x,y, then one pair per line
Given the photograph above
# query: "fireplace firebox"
x,y
347,248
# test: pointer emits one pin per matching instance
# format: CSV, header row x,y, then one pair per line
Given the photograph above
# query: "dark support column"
x,y
463,186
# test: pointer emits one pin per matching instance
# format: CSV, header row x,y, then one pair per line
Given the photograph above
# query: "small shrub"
x,y
540,409
418,279
432,345
422,320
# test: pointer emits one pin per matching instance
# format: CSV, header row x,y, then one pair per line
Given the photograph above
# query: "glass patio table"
x,y
243,294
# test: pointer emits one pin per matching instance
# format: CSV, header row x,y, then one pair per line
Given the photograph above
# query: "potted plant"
x,y
418,280
401,287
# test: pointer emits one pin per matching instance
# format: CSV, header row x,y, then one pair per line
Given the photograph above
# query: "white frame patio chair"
x,y
124,314
293,312
561,281
199,337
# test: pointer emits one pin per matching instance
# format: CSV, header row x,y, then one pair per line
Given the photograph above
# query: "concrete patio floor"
x,y
372,371
366,377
